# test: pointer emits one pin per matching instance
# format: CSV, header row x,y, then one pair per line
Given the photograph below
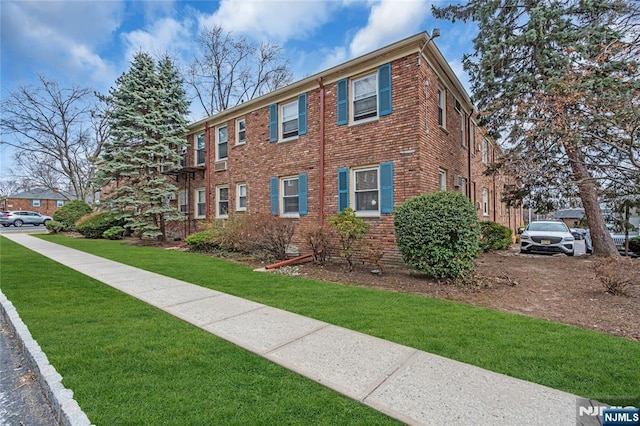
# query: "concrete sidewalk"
x,y
410,385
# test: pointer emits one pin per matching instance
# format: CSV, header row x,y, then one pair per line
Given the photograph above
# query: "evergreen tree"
x,y
147,110
554,81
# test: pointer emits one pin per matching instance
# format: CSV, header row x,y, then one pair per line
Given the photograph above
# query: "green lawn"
x,y
578,361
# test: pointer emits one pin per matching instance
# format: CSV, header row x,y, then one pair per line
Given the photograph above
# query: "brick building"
x,y
370,134
37,200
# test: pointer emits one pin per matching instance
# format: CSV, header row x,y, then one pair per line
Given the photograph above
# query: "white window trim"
x,y
352,99
218,200
218,158
364,213
281,106
238,141
197,202
442,180
281,196
238,208
36,203
59,203
485,151
472,137
182,196
485,202
442,105
195,149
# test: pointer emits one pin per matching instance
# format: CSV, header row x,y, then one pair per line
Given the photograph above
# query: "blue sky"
x,y
90,43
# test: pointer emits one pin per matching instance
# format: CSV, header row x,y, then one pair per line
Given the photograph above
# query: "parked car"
x,y
19,218
618,240
547,237
578,233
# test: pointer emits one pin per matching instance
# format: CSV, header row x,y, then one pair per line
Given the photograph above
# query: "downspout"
x,y
493,159
321,171
207,150
468,131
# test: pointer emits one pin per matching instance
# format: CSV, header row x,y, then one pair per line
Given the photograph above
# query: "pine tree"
x,y
548,76
147,110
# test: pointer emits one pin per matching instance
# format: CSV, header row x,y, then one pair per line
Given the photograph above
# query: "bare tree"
x,y
227,71
56,133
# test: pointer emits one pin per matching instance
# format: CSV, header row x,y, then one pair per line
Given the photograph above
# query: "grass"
x,y
583,362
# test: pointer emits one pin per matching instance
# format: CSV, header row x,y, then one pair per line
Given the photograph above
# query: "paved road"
x,y
22,401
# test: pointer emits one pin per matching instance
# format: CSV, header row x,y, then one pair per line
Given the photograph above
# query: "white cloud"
x,y
274,20
389,21
163,36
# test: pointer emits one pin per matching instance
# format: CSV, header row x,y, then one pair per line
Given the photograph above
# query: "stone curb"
x,y
65,408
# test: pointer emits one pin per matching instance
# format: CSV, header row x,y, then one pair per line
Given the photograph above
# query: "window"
x,y
59,203
36,203
472,196
222,203
288,120
290,201
472,138
365,97
201,203
289,195
200,150
442,180
371,189
182,201
222,139
289,123
485,151
462,182
485,202
241,132
241,197
442,107
463,128
366,194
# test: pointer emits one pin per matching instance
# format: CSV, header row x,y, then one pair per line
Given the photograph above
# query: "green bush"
x,y
204,241
114,233
54,227
634,244
69,214
95,224
349,228
438,234
494,236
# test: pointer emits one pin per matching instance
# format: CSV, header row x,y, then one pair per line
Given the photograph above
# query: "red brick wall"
x,y
47,207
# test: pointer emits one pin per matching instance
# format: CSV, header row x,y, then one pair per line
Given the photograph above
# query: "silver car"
x,y
23,217
547,237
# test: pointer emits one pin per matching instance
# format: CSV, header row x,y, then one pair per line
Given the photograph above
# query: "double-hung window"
x,y
365,97
200,149
241,197
182,201
289,195
222,201
367,190
289,120
59,203
485,151
241,131
485,202
36,203
222,143
201,203
442,107
442,180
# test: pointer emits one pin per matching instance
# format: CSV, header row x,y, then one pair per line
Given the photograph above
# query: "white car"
x,y
547,237
19,218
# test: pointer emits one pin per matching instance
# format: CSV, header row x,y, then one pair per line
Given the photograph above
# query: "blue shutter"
x,y
386,187
273,123
302,194
343,101
343,189
384,89
275,201
302,114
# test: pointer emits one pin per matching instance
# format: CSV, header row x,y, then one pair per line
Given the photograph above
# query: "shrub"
x,y
634,244
438,234
203,241
318,239
272,234
95,224
70,213
618,274
349,228
54,227
114,233
494,236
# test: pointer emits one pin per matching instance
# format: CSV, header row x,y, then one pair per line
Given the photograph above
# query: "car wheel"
x,y
45,222
570,254
18,223
6,225
523,251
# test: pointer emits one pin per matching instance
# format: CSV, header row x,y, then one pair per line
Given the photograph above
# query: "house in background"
x,y
571,217
369,134
38,200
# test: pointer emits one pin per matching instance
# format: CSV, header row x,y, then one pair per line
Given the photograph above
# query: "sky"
x,y
88,43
